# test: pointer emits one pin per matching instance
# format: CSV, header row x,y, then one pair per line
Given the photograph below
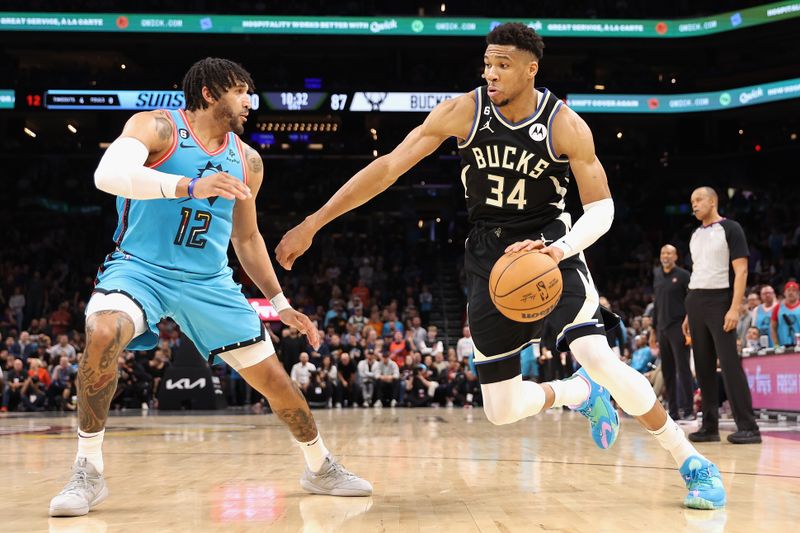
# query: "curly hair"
x,y
518,35
218,75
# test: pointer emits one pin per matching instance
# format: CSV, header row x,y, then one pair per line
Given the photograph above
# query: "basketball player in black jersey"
x,y
520,149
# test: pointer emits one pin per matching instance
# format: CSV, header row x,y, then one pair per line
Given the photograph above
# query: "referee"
x,y
670,285
719,276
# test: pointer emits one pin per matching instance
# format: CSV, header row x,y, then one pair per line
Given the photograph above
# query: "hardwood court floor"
x,y
433,470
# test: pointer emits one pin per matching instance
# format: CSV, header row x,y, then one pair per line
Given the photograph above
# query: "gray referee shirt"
x,y
713,248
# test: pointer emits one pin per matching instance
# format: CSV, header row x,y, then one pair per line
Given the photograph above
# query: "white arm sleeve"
x,y
121,171
596,220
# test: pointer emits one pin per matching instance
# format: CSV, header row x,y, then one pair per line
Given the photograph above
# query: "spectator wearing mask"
x,y
763,313
786,316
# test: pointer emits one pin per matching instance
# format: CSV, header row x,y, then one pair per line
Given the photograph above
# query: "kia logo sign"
x,y
186,384
264,309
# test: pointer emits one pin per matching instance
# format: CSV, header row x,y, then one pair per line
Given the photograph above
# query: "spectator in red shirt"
x,y
36,369
398,349
61,319
362,291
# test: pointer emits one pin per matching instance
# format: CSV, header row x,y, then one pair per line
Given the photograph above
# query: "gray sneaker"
x,y
334,480
84,490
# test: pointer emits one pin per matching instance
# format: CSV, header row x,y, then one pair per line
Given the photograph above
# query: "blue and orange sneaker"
x,y
602,416
704,482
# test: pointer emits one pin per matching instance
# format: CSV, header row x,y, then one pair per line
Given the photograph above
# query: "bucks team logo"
x,y
538,132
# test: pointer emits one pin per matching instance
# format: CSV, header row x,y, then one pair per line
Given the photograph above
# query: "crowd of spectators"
x,y
366,279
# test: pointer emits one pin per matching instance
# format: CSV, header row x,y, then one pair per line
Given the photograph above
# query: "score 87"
x,y
338,102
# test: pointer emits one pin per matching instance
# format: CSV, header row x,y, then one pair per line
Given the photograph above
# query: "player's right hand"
x,y
294,244
221,184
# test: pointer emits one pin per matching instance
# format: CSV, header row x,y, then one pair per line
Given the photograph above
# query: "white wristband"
x,y
279,302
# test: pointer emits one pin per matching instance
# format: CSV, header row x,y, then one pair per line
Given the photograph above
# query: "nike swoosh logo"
x,y
188,146
606,431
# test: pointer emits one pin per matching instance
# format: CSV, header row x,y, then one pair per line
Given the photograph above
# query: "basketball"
x,y
525,286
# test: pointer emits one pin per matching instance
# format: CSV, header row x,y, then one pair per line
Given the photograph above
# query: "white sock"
x,y
315,452
90,446
673,439
570,392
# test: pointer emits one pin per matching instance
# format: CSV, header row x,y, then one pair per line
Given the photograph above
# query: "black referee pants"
x,y
676,370
706,309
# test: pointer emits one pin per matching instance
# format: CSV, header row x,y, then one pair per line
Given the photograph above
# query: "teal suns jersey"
x,y
185,234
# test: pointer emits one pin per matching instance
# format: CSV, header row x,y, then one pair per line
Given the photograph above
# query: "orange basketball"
x,y
525,286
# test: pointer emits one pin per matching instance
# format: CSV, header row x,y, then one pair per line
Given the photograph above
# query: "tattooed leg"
x,y
107,334
270,379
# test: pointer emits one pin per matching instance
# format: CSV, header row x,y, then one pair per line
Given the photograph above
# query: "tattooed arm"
x,y
107,334
146,139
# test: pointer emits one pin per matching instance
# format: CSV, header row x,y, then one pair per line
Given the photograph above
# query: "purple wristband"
x,y
191,187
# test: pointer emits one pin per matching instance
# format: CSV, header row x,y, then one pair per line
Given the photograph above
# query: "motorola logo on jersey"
x,y
538,132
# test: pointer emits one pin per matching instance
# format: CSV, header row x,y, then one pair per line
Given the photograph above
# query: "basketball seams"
x,y
526,283
500,275
555,299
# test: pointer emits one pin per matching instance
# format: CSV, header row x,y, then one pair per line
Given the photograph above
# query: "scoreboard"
x,y
319,101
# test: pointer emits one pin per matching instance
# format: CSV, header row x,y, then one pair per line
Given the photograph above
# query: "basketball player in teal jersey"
x,y
186,187
518,145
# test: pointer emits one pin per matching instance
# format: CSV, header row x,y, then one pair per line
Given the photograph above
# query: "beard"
x,y
225,114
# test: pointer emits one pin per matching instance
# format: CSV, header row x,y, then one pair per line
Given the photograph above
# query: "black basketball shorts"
x,y
499,340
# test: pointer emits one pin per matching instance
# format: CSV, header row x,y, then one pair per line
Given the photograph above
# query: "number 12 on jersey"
x,y
516,197
194,241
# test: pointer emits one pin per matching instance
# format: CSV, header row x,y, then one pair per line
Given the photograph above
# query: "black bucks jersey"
x,y
510,171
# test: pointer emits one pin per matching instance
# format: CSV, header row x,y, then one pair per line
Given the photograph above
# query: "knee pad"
x,y
505,402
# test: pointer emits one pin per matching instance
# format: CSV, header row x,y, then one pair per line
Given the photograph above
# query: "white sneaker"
x,y
84,490
393,403
334,480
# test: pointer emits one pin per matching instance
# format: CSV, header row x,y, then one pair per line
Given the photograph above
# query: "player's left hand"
x,y
529,245
291,317
731,319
